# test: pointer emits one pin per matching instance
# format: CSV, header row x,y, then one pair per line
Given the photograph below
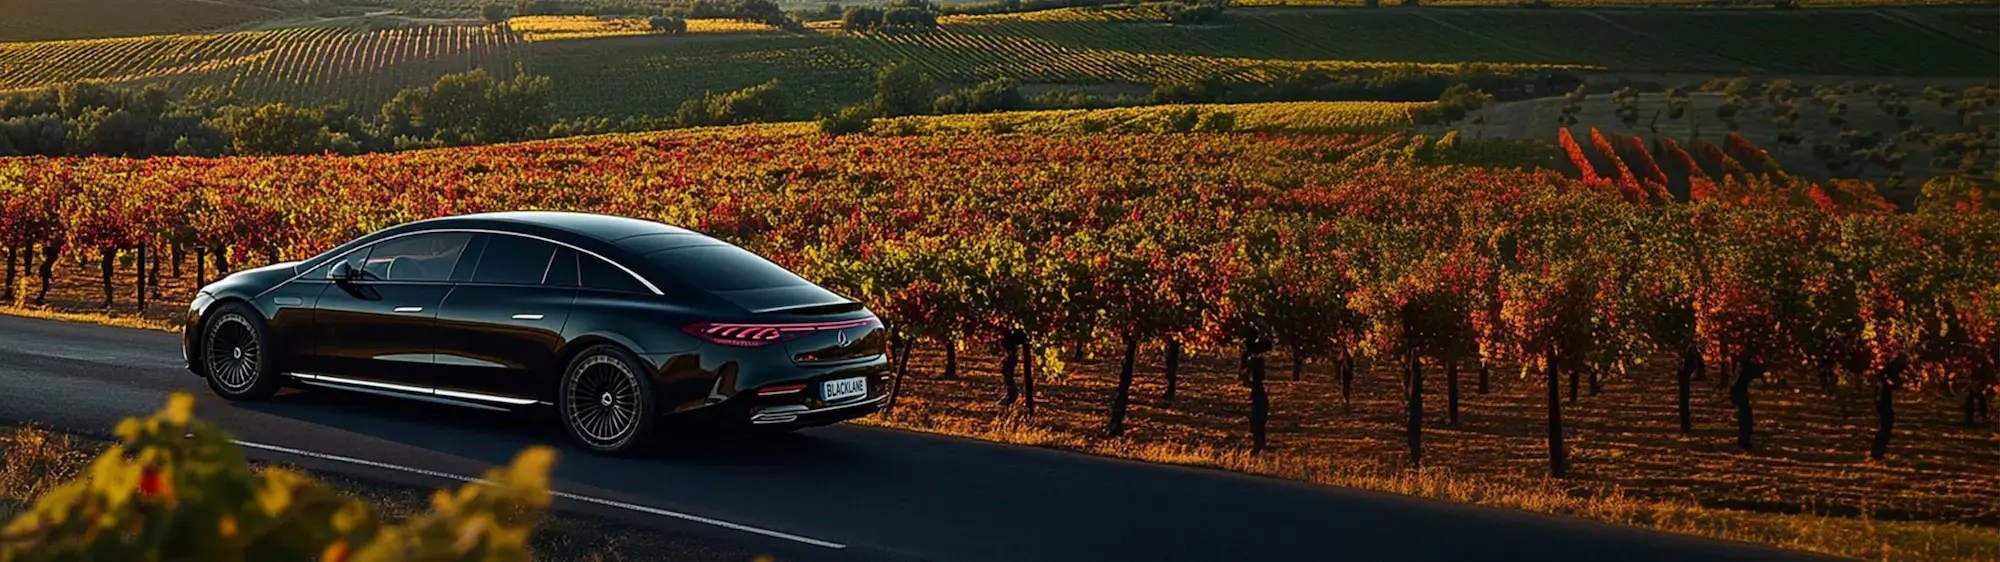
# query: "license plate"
x,y
843,388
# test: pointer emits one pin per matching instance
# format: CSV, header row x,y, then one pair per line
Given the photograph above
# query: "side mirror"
x,y
341,272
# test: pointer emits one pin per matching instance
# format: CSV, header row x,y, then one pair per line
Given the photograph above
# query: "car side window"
x,y
424,257
354,260
602,275
514,260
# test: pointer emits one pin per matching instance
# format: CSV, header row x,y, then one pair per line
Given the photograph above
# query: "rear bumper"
x,y
796,402
800,415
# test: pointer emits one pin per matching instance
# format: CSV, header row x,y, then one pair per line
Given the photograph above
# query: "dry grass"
x,y
34,461
76,294
1808,486
105,318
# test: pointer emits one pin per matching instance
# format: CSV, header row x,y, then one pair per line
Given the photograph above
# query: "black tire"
x,y
606,402
236,354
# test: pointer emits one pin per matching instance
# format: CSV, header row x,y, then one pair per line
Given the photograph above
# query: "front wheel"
x,y
607,402
235,352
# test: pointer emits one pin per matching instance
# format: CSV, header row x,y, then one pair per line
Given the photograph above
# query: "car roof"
x,y
622,240
605,228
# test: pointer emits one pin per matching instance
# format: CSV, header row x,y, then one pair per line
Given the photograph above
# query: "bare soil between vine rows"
x,y
1808,456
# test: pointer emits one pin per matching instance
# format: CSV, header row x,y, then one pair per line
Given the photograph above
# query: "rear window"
x,y
723,268
599,274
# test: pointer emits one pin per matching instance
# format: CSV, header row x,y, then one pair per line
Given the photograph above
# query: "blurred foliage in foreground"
x,y
178,489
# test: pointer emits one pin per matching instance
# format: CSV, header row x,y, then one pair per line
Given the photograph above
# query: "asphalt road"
x,y
838,493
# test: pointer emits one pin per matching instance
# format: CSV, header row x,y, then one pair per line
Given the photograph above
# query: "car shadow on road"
x,y
494,437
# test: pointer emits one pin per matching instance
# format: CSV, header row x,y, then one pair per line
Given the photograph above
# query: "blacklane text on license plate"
x,y
843,388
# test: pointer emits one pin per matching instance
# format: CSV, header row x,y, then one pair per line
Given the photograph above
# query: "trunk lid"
x,y
840,341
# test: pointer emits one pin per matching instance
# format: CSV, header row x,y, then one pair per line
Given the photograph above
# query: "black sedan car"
x,y
613,322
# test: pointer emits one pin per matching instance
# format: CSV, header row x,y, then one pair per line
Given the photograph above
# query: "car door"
x,y
500,330
380,325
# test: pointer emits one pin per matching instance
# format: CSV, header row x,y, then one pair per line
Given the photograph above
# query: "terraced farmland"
x,y
367,68
314,65
30,65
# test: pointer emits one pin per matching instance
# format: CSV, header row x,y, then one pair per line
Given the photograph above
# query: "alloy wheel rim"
x,y
233,353
604,400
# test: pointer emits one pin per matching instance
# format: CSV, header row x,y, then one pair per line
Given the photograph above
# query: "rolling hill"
x,y
615,69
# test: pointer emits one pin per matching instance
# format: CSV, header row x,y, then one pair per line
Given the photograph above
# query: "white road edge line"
x,y
559,494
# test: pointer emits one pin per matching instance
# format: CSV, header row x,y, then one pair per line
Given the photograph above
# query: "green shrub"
x,y
1218,122
1206,90
1459,100
669,25
913,18
850,119
471,108
1070,98
1000,94
901,89
1184,14
1182,120
755,104
178,489
861,18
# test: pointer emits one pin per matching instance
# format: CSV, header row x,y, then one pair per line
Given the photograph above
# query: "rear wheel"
x,y
607,402
235,352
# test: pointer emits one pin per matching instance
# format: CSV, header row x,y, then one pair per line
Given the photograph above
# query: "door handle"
x,y
527,317
409,309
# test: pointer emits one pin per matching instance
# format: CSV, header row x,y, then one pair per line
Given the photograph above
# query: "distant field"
x,y
1281,117
564,28
42,20
1118,45
617,67
470,8
653,75
367,68
317,65
30,65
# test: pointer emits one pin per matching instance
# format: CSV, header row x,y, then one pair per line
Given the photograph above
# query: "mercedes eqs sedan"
x,y
614,322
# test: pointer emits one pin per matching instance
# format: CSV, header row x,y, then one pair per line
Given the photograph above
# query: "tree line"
x,y
90,118
901,89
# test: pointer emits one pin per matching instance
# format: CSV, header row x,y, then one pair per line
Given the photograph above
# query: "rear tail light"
x,y
755,335
781,389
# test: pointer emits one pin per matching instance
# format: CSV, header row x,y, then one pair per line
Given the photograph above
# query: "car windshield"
x,y
723,268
